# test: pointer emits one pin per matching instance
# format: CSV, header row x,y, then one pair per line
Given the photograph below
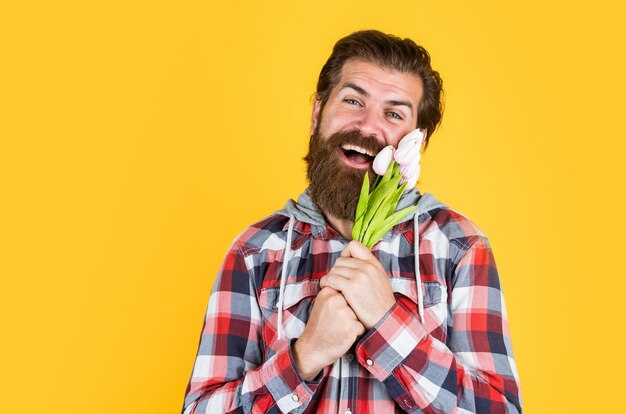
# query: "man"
x,y
301,319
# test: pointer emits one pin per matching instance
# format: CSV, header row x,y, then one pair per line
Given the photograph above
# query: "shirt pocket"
x,y
298,303
435,301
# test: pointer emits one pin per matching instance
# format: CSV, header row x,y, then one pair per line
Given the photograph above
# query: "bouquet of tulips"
x,y
397,171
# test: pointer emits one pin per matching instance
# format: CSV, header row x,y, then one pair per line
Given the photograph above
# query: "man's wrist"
x,y
307,373
381,315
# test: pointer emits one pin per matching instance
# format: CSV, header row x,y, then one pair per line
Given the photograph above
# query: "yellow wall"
x,y
138,138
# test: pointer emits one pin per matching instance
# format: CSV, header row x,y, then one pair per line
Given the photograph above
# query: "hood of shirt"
x,y
305,210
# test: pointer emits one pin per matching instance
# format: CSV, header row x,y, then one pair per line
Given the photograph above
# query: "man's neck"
x,y
343,227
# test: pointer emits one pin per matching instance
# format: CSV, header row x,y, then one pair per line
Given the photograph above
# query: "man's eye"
x,y
394,115
352,101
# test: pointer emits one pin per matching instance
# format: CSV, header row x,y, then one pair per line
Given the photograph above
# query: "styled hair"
x,y
389,52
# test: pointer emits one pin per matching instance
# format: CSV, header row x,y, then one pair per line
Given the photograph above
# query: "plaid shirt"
x,y
458,361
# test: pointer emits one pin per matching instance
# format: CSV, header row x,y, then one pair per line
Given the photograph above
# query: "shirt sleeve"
x,y
229,374
474,371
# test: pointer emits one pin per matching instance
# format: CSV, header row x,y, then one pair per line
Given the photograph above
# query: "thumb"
x,y
358,251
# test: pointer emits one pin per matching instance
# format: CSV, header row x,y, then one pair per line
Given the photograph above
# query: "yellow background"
x,y
138,138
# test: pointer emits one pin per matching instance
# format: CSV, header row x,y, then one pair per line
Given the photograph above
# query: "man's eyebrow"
x,y
363,92
356,88
402,103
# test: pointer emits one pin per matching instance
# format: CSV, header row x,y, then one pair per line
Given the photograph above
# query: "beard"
x,y
334,186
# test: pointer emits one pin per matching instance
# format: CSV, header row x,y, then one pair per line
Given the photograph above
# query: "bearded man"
x,y
304,319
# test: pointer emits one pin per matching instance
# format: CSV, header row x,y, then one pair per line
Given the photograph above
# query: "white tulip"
x,y
412,138
383,159
408,153
409,170
411,181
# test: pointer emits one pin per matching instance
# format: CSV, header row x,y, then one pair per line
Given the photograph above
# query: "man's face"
x,y
369,108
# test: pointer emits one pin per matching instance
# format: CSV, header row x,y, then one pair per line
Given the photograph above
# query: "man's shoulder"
x,y
264,233
457,227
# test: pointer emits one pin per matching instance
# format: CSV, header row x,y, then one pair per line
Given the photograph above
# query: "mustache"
x,y
367,142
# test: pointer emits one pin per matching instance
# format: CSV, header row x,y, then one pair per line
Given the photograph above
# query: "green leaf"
x,y
361,207
386,209
399,215
389,172
356,229
388,224
395,198
381,214
364,196
377,198
376,181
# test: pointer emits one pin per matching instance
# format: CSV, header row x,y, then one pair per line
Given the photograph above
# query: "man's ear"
x,y
315,115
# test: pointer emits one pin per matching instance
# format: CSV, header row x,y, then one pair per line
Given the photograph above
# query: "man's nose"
x,y
369,124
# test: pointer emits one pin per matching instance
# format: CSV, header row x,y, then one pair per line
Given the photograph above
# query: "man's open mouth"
x,y
356,156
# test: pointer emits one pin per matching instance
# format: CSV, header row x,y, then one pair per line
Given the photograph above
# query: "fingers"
x,y
346,251
350,262
337,282
359,329
350,270
358,251
335,300
353,269
347,272
325,292
331,297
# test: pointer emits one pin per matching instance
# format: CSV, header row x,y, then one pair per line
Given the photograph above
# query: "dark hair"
x,y
390,52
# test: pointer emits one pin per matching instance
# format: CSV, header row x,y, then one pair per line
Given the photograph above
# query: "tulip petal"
x,y
413,180
416,135
409,170
382,160
407,154
407,143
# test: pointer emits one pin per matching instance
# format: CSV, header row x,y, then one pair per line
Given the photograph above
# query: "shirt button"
x,y
369,362
350,357
348,412
295,398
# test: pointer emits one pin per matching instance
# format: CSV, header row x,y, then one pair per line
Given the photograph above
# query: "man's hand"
x,y
360,277
330,332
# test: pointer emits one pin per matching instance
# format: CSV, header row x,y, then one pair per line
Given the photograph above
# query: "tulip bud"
x,y
414,137
408,153
411,181
409,170
382,160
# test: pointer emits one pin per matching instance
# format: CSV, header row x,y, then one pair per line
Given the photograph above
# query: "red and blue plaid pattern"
x,y
459,361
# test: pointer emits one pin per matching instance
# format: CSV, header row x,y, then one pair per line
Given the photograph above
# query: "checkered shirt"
x,y
459,360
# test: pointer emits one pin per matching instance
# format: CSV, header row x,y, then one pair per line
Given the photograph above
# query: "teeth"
x,y
357,149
